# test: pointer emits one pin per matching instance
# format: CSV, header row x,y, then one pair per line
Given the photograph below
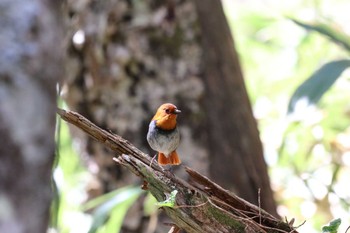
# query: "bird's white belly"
x,y
164,141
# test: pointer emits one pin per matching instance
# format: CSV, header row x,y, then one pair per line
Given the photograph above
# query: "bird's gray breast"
x,y
164,141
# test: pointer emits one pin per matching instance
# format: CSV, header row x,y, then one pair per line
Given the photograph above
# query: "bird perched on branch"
x,y
163,135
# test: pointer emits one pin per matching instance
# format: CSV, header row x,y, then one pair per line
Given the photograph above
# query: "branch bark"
x,y
201,205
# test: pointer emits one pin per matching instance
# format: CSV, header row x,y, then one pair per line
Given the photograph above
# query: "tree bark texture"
x,y
235,146
136,55
200,205
30,66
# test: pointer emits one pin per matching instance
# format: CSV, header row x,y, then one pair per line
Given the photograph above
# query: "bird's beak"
x,y
177,111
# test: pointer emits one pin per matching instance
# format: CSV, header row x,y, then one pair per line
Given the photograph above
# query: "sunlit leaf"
x,y
102,199
314,87
149,205
332,227
170,201
332,33
114,210
117,215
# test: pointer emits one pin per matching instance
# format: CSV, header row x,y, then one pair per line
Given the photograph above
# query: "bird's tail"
x,y
172,159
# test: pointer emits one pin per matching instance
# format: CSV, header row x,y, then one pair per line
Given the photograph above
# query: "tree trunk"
x,y
30,67
236,155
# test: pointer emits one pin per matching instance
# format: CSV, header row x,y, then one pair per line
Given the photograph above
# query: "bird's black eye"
x,y
167,110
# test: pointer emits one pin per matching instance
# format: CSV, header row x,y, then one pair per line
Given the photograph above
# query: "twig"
x,y
259,202
347,229
191,206
174,228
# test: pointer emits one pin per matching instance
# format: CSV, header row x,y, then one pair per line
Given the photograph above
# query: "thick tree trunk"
x,y
236,155
29,70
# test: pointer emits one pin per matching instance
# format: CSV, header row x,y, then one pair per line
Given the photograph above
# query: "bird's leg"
x,y
152,160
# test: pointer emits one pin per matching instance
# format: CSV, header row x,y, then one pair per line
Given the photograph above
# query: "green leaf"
x,y
332,227
110,214
170,201
314,87
332,33
149,203
93,203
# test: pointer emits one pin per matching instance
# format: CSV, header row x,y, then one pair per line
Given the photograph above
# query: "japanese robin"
x,y
163,135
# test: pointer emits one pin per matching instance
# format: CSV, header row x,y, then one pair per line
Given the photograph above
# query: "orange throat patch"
x,y
166,123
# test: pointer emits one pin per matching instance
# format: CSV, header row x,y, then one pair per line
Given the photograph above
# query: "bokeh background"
x,y
307,149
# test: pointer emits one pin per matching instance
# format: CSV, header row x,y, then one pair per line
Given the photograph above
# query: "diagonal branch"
x,y
201,205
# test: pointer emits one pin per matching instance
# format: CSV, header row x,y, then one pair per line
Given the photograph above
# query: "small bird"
x,y
163,135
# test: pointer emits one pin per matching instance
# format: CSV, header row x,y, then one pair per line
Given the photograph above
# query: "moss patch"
x,y
226,220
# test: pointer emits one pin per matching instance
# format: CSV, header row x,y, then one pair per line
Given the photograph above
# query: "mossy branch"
x,y
201,205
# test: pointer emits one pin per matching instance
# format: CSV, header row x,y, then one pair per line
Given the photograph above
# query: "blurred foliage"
x,y
311,91
329,31
111,209
308,151
70,177
70,211
149,205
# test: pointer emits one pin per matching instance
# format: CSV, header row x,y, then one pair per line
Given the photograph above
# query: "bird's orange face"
x,y
166,116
